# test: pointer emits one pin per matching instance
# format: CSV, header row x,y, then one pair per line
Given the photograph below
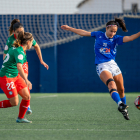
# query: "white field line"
x,y
47,96
69,130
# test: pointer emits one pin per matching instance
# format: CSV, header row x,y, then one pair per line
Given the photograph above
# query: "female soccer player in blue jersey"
x,y
105,52
15,28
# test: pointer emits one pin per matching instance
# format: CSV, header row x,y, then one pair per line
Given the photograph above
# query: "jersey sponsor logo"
x,y
20,57
104,50
10,92
6,47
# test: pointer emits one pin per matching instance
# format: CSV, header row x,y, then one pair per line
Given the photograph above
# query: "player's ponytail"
x,y
121,24
22,39
117,22
11,26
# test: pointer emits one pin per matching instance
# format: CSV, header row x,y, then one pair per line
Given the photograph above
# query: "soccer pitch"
x,y
72,116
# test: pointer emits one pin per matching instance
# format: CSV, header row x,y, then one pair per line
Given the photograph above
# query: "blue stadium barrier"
x,y
73,69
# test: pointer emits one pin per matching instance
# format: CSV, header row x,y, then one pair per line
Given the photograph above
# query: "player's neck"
x,y
24,47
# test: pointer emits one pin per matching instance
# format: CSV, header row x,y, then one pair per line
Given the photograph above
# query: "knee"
x,y
111,85
26,97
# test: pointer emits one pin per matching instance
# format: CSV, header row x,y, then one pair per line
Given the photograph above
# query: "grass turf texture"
x,y
70,116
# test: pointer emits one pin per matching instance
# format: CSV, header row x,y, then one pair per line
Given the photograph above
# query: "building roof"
x,y
38,6
81,3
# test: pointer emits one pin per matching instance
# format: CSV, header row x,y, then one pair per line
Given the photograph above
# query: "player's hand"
x,y
29,84
44,64
65,27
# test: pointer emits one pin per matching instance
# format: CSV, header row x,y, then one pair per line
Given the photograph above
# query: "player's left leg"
x,y
120,88
25,102
29,111
23,105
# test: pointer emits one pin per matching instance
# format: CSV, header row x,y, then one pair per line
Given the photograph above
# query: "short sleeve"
x,y
19,56
34,43
119,39
94,34
6,48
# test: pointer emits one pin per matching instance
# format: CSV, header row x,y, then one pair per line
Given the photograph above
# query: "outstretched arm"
x,y
38,51
131,38
77,31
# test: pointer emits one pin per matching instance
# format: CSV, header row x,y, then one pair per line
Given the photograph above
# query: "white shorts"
x,y
110,66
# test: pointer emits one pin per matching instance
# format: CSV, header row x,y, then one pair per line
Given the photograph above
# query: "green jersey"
x,y
9,44
14,56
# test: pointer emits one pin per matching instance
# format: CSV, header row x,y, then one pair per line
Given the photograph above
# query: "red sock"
x,y
5,104
23,108
29,94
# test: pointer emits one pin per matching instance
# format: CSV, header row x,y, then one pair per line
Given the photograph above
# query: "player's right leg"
x,y
9,88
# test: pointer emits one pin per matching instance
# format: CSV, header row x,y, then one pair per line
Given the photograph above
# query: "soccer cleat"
x,y
29,111
125,113
24,120
122,107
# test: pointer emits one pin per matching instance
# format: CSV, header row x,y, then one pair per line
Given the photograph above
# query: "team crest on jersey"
x,y
104,50
105,44
6,47
20,57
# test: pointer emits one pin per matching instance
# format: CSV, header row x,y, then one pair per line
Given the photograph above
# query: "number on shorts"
x,y
10,86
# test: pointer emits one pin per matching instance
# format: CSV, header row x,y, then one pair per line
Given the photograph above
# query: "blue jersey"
x,y
105,48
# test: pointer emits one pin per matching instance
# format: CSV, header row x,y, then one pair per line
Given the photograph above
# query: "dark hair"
x,y
118,22
22,38
15,24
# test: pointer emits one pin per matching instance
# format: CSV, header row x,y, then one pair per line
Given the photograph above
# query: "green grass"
x,y
70,116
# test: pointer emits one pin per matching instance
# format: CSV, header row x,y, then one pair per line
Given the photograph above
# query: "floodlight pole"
x,y
55,51
123,6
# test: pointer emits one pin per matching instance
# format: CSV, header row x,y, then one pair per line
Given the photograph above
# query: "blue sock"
x,y
123,99
116,97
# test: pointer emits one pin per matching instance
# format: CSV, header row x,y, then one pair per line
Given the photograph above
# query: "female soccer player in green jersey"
x,y
15,28
13,80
